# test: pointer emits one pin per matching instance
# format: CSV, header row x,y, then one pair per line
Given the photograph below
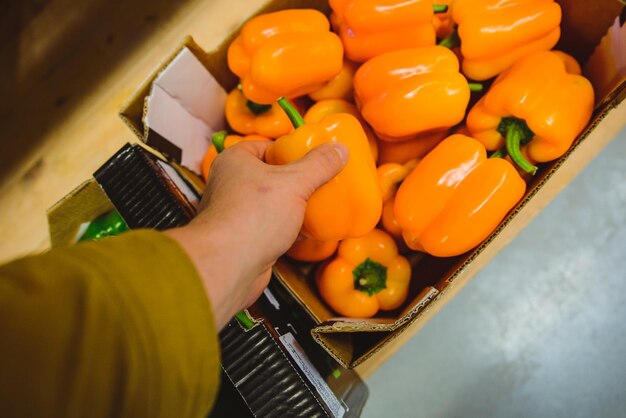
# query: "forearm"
x,y
121,327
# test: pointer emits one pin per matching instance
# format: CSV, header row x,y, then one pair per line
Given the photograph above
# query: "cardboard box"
x,y
435,281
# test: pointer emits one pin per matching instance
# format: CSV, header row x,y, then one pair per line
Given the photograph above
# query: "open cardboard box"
x,y
435,281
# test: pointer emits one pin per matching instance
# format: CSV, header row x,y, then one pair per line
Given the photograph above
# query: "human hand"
x,y
250,214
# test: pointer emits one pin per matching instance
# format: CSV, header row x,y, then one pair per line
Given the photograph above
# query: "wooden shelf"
x,y
71,66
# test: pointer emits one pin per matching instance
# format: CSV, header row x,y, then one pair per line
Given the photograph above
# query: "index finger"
x,y
255,148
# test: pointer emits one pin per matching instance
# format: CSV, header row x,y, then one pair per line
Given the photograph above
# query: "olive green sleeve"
x,y
116,328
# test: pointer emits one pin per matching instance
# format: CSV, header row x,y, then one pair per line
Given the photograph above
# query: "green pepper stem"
x,y
292,113
440,8
451,41
257,108
473,86
514,137
218,138
370,277
501,153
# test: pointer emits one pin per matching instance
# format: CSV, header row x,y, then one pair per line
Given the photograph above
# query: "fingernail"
x,y
342,151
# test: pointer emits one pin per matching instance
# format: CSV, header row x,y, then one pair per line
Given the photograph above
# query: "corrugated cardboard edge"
x,y
83,204
416,315
134,109
337,326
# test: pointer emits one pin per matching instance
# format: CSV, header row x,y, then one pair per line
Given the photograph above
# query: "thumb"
x,y
319,165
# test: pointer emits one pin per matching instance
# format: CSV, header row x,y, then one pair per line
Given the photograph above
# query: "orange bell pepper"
x,y
456,197
372,27
571,65
221,140
311,250
494,33
404,151
328,107
405,93
367,275
535,102
442,21
390,176
287,53
339,87
246,117
350,204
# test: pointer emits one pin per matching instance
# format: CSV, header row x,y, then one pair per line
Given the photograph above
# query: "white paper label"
x,y
303,362
270,297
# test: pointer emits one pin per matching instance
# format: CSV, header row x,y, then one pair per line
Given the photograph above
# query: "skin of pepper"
x,y
456,197
495,34
392,88
390,175
287,53
556,118
329,106
372,27
230,140
442,22
339,87
336,284
404,151
271,123
350,204
311,250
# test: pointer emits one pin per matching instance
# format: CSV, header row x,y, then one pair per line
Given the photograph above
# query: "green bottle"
x,y
107,225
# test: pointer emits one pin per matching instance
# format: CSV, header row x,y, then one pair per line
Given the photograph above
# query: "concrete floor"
x,y
541,331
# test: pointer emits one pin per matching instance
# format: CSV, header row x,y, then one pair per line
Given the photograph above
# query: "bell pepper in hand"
x,y
288,53
535,102
330,106
456,197
221,140
494,34
367,275
339,87
246,117
350,204
311,250
405,93
372,27
390,176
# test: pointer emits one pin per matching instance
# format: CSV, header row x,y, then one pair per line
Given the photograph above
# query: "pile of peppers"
x,y
437,160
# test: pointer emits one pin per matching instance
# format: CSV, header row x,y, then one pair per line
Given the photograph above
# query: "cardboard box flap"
x,y
378,324
82,205
132,111
178,107
184,107
580,34
352,349
606,68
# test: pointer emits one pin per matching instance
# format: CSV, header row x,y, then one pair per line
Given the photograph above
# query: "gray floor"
x,y
541,331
